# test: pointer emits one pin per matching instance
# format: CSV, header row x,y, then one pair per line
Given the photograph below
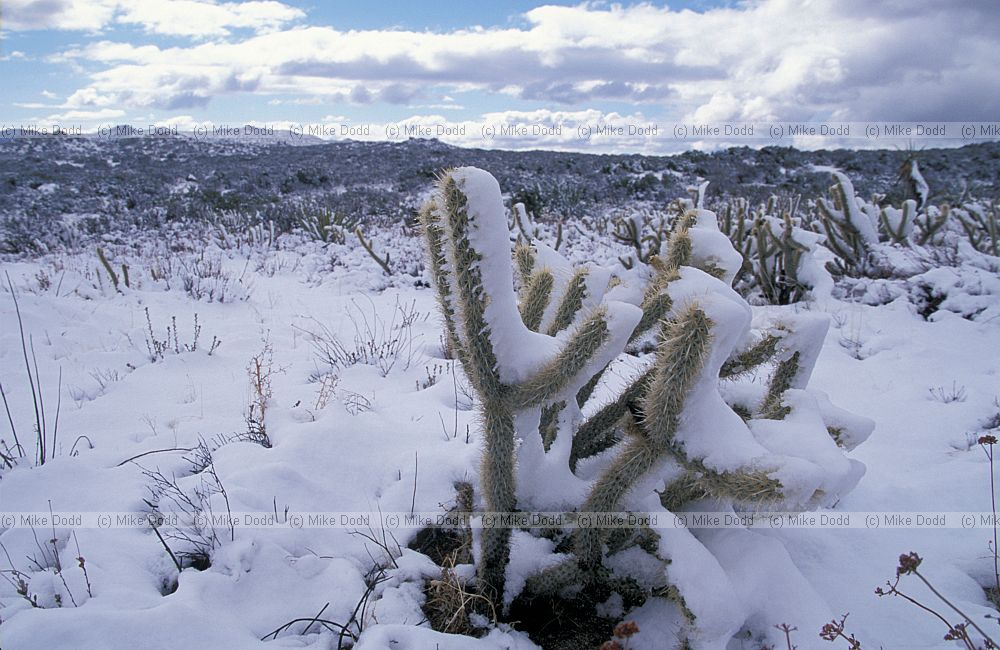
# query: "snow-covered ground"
x,y
396,434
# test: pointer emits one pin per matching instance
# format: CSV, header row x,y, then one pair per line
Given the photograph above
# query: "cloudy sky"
x,y
196,61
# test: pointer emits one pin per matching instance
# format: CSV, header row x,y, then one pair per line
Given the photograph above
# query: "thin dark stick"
x,y
315,618
43,430
416,467
24,350
78,439
10,418
55,428
920,605
321,621
169,552
993,501
956,609
155,451
83,564
42,549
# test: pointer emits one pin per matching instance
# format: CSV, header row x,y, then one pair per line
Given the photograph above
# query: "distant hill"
x,y
183,178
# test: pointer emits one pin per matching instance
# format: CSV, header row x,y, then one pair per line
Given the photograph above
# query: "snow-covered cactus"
x,y
930,224
686,427
513,368
981,224
851,227
736,222
645,232
781,252
776,250
522,225
917,189
897,223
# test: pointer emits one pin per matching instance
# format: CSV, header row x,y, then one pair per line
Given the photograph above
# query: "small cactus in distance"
x,y
382,260
851,228
897,223
114,277
981,224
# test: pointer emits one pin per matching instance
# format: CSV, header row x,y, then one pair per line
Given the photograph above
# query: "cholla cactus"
x,y
736,222
776,250
677,433
780,253
929,224
981,224
897,224
526,230
645,232
851,226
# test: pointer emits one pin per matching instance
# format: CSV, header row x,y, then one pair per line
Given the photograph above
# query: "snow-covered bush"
x,y
685,430
325,225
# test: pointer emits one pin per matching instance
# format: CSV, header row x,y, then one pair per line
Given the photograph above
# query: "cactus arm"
x,y
524,259
834,238
571,302
551,580
656,304
367,245
548,425
678,250
588,389
683,348
535,298
781,380
637,459
800,348
597,433
492,332
930,226
497,478
680,357
697,482
575,355
107,267
745,361
437,263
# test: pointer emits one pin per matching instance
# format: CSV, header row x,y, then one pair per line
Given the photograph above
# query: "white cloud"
x,y
772,59
86,116
202,19
84,15
192,18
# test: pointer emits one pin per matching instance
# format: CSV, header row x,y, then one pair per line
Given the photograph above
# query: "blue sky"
x,y
188,62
